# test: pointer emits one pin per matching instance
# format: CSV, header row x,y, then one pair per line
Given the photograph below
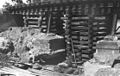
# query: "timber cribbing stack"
x,y
82,22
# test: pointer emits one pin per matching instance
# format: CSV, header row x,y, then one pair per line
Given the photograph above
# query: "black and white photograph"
x,y
59,37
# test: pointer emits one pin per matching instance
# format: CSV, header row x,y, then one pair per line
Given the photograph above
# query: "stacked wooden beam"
x,y
56,22
82,31
81,40
100,28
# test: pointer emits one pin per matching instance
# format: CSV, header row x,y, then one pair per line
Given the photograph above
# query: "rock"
x,y
68,61
74,65
6,46
69,70
76,72
37,66
64,65
59,69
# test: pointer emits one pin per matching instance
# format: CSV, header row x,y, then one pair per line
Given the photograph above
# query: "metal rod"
x,y
73,51
49,21
114,24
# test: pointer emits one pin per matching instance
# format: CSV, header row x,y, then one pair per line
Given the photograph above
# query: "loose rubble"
x,y
28,44
102,63
68,68
27,48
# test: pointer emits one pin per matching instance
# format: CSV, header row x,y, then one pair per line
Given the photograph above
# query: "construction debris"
x,y
67,68
28,45
107,50
6,46
102,63
26,48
